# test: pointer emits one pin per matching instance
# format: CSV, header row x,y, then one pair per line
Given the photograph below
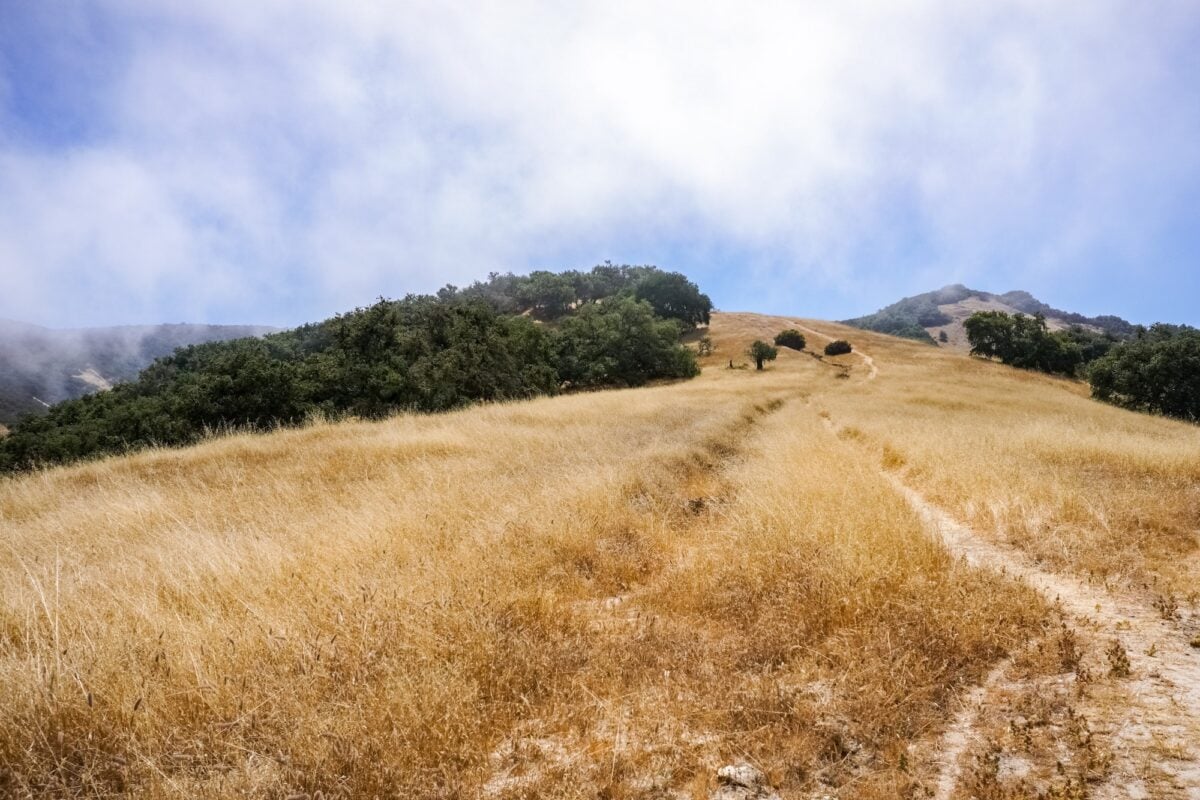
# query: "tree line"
x,y
511,337
1154,369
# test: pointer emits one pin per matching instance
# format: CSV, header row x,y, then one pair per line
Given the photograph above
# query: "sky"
x,y
279,161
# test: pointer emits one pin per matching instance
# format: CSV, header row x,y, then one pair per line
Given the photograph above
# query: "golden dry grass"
x,y
1083,486
601,595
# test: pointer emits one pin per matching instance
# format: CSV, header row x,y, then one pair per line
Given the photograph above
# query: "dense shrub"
x,y
1159,372
838,347
790,338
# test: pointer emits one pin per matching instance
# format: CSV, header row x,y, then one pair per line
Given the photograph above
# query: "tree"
x,y
549,295
620,343
672,295
1025,342
942,337
838,347
790,338
1159,372
760,351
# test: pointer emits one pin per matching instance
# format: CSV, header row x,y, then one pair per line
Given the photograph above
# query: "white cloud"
x,y
255,151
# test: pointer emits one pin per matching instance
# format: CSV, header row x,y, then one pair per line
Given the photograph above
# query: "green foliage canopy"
x,y
761,352
1026,342
1159,372
672,295
790,338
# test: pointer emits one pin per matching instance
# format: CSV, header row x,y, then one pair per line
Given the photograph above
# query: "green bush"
x,y
838,347
790,338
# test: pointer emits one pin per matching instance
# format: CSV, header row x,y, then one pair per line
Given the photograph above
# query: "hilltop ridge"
x,y
925,317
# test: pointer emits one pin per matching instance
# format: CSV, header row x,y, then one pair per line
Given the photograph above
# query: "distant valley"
x,y
42,366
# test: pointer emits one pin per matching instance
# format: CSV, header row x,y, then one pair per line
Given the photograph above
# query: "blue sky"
x,y
279,161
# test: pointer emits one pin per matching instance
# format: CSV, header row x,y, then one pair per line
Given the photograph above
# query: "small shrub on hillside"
x,y
790,338
838,347
705,346
942,337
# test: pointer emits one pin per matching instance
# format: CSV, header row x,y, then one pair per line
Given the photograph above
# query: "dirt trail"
x,y
872,370
1158,728
1161,724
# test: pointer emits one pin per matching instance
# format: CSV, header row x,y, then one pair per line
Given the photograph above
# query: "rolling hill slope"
x,y
842,570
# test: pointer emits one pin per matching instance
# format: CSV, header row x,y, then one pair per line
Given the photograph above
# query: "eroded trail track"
x,y
1162,720
1153,732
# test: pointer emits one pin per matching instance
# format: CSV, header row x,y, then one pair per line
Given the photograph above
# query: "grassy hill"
x,y
43,366
925,317
843,570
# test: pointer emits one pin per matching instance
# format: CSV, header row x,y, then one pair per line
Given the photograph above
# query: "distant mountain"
x,y
43,366
926,316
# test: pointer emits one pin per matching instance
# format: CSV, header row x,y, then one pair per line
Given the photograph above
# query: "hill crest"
x,y
927,316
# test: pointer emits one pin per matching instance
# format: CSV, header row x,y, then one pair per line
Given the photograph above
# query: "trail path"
x,y
872,370
1160,724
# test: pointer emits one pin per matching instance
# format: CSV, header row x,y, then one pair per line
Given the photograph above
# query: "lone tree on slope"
x,y
760,351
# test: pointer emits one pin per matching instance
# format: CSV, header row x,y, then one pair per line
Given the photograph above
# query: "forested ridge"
x,y
506,338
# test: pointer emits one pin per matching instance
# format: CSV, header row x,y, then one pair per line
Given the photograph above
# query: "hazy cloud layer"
x,y
279,161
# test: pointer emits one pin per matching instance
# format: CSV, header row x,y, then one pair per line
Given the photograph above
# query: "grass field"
x,y
609,595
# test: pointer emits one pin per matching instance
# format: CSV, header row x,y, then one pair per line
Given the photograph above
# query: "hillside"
x,y
43,366
925,317
511,337
896,573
